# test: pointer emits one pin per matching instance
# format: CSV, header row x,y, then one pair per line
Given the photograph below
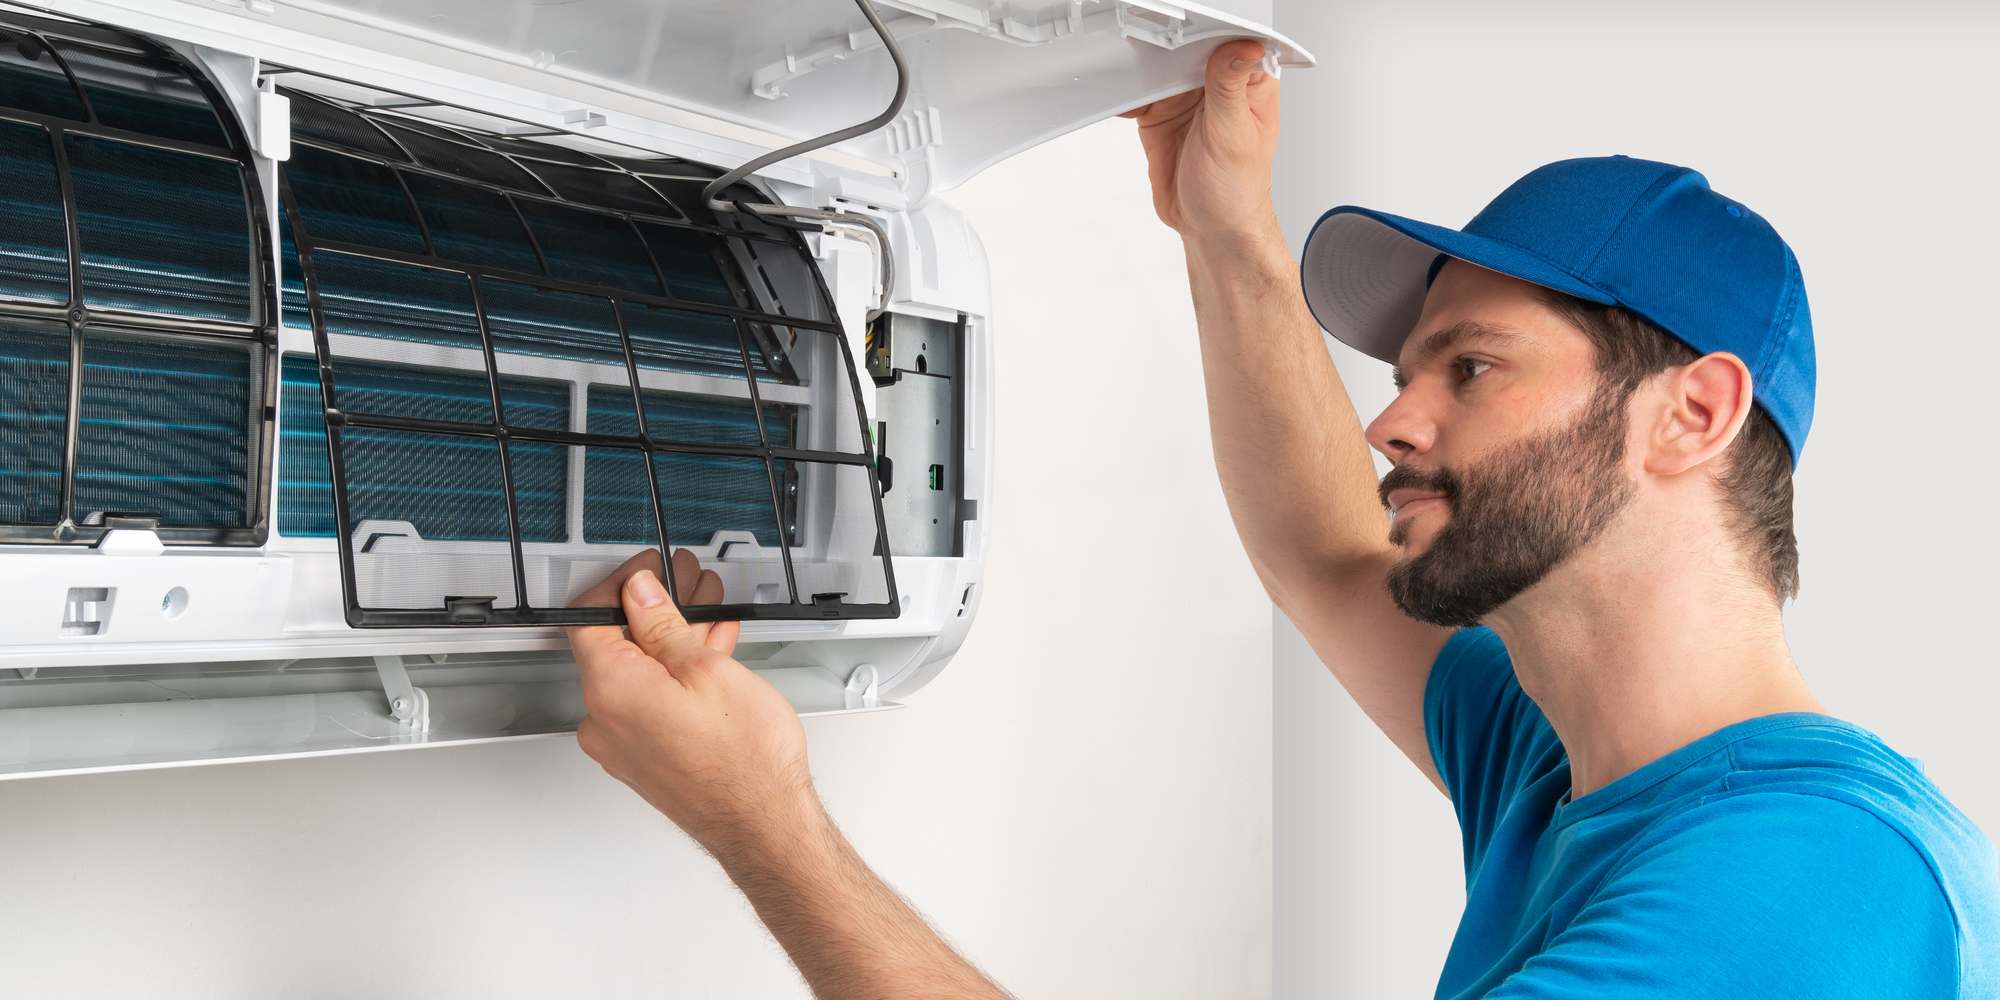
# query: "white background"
x,y
1085,799
1082,800
1863,132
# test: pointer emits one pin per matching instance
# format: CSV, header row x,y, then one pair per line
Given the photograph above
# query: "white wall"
x,y
1082,800
1862,131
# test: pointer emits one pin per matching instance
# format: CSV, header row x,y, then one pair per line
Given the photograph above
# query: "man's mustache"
x,y
1443,481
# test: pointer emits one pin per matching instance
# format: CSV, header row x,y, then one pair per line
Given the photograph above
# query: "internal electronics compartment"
x,y
914,362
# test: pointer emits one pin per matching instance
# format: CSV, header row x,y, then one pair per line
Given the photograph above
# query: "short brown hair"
x,y
1757,481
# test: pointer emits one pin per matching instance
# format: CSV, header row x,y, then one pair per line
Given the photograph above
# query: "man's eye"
x,y
1468,368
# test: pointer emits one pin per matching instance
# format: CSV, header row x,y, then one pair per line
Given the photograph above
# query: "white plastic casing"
x,y
179,655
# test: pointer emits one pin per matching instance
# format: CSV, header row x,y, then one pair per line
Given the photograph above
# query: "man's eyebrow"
x,y
1456,335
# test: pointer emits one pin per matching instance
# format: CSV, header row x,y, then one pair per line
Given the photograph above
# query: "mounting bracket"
x,y
863,687
407,703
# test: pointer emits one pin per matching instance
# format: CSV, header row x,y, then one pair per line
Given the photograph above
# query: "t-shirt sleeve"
x,y
1487,737
1757,895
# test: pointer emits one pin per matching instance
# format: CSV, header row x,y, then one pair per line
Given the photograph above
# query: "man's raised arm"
x,y
1288,444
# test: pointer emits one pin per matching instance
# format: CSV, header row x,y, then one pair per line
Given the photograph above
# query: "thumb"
x,y
1230,67
654,621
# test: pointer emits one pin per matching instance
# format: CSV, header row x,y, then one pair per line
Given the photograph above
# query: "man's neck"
x,y
1632,658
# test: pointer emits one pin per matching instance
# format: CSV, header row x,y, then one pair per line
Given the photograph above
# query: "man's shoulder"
x,y
1806,823
1825,813
1783,887
1818,761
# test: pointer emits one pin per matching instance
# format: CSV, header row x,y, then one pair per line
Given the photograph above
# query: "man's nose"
x,y
1402,430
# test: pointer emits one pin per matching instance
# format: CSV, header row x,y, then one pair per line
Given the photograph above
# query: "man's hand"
x,y
672,715
720,751
1209,151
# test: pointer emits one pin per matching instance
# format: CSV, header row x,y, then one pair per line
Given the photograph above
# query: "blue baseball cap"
x,y
1615,230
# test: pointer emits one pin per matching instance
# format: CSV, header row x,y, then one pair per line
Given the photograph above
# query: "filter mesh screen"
x,y
292,294
32,80
473,224
343,199
143,94
591,247
681,341
34,405
705,495
538,150
720,507
34,245
608,188
709,494
545,323
569,302
461,158
184,255
558,575
837,547
305,483
407,494
165,429
131,202
678,417
319,121
690,261
374,298
421,393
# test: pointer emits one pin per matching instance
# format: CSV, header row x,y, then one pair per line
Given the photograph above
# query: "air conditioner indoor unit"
x,y
345,343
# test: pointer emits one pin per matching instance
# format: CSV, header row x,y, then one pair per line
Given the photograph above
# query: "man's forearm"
x,y
1288,444
850,935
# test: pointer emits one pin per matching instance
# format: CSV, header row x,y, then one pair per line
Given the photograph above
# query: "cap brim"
x,y
1363,272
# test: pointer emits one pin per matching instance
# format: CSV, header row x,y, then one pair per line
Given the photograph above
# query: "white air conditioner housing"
x,y
132,638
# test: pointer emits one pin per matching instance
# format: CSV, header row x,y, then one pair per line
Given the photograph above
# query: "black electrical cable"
x,y
828,217
716,186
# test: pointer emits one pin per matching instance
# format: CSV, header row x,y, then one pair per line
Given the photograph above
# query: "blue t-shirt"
x,y
1791,855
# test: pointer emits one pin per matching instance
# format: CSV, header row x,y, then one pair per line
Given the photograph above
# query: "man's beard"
x,y
1514,516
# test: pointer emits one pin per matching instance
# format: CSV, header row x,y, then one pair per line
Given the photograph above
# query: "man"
x,y
1573,627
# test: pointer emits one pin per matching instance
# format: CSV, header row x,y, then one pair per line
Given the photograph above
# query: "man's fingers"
x,y
596,647
707,589
722,637
656,626
1165,109
655,623
703,586
616,674
687,572
694,584
605,594
1230,67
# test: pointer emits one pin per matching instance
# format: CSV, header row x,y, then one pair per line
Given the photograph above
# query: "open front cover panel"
x,y
533,361
987,80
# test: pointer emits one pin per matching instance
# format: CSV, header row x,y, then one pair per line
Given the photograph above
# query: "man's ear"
x,y
1702,407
